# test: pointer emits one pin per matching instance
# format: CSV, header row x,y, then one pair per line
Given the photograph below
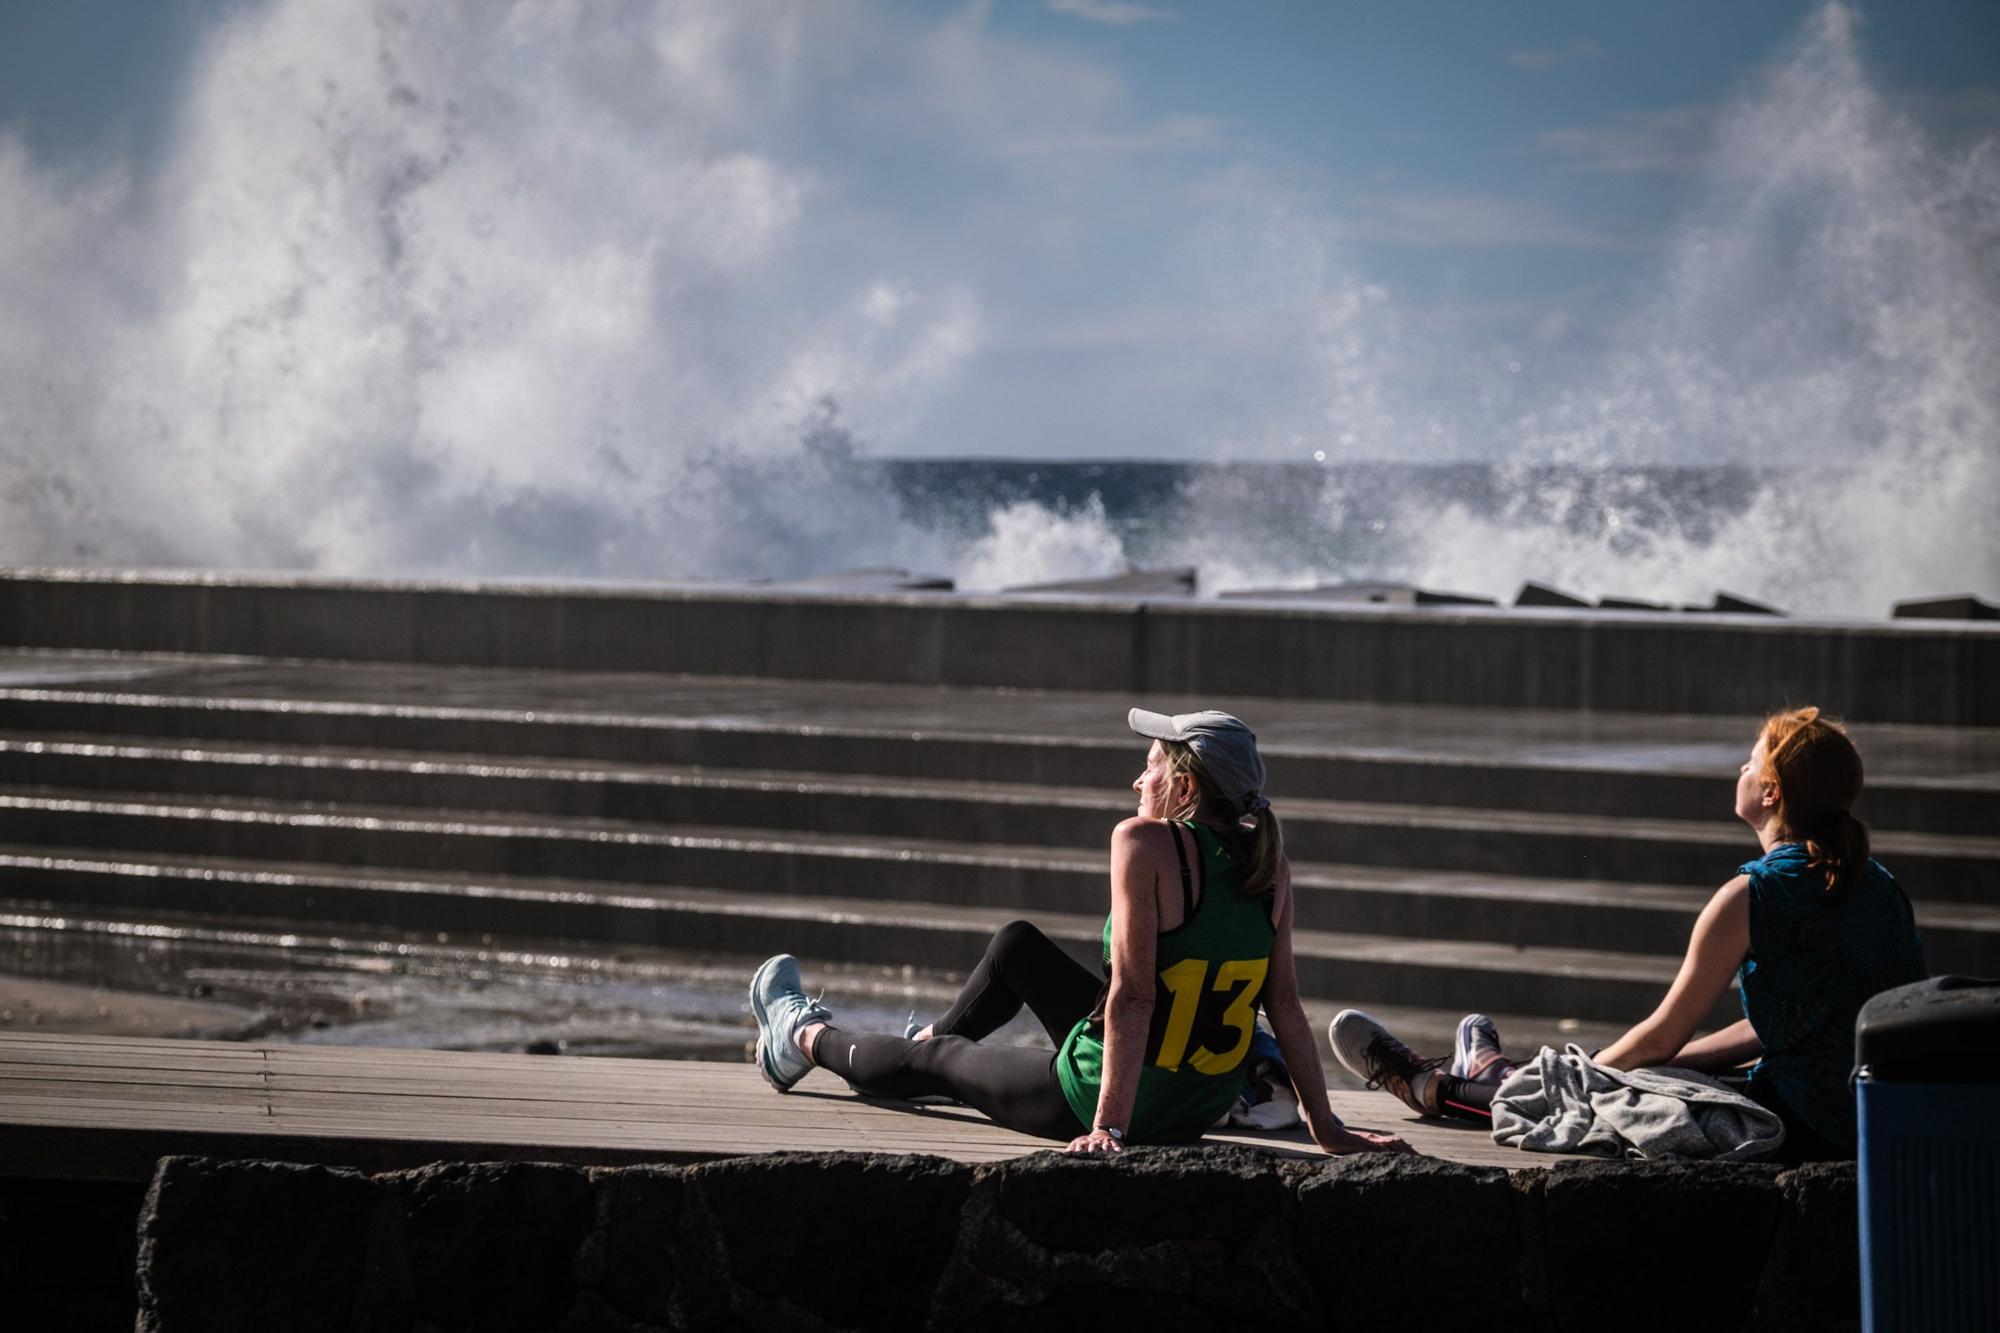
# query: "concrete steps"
x,y
1373,762
1571,846
1385,969
1525,864
1510,911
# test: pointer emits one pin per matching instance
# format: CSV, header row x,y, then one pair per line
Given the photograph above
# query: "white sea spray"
x,y
434,293
434,288
1828,319
1030,543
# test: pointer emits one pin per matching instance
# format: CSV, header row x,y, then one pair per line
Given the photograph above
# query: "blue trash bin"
x,y
1927,1092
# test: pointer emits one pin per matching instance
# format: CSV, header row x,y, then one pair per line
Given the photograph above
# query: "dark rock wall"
x,y
1160,1239
67,1254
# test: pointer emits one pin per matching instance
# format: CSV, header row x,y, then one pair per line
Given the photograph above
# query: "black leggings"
x,y
1460,1100
1014,1086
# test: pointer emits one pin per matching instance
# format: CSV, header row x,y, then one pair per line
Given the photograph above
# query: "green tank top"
x,y
1209,978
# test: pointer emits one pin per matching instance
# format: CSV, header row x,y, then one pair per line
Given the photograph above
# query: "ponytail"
x,y
1267,842
1839,851
1267,853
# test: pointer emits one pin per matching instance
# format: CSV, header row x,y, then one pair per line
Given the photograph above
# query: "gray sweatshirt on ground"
x,y
1565,1102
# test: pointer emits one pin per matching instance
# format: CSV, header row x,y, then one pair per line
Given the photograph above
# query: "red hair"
x,y
1818,775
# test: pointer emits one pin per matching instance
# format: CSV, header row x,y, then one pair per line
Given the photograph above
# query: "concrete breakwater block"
x,y
1178,581
1962,607
1363,593
863,581
1160,1238
1541,594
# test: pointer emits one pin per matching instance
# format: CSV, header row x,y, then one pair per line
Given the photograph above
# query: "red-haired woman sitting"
x,y
1813,926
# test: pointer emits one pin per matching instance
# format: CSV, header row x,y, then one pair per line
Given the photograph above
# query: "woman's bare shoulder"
x,y
1143,836
1141,828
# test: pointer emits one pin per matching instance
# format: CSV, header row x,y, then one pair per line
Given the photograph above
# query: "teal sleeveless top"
x,y
1209,978
1815,959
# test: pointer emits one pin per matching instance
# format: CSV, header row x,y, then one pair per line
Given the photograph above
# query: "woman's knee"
x,y
1015,935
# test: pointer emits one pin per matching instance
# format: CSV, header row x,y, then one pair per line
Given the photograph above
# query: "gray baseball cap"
x,y
1223,743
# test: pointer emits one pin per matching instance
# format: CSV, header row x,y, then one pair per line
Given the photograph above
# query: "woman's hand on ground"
x,y
1348,1141
1095,1141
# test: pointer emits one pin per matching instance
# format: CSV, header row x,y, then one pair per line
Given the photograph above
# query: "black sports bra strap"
x,y
1187,880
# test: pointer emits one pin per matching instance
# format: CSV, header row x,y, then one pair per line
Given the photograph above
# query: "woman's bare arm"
x,y
1128,1008
1718,946
1725,1049
1300,1048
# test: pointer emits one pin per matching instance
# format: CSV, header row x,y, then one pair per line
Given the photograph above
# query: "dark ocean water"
x,y
1299,523
1138,496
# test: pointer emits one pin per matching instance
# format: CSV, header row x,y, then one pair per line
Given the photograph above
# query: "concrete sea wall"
x,y
1162,1239
1945,673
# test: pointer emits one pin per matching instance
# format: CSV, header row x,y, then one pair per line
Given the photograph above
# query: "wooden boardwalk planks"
x,y
75,1107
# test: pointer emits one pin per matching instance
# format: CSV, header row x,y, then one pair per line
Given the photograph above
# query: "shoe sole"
x,y
765,1069
763,1022
1362,1073
1334,1041
1266,1115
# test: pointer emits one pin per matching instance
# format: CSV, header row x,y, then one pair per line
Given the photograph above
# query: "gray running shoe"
x,y
1476,1055
1373,1055
778,1001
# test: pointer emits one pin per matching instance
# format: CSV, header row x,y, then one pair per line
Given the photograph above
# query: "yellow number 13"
x,y
1184,982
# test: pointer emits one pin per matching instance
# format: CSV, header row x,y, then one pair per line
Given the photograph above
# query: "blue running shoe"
x,y
778,1001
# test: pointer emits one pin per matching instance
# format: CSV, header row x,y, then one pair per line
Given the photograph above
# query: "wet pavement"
x,y
239,982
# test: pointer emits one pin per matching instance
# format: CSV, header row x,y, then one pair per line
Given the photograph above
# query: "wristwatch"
x,y
1117,1135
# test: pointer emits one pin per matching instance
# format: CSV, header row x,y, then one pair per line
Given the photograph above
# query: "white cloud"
x,y
994,92
1134,327
1534,61
1669,139
1169,134
1465,218
1115,13
1540,60
1554,325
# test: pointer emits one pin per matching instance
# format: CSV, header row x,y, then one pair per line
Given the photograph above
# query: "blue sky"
x,y
528,267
